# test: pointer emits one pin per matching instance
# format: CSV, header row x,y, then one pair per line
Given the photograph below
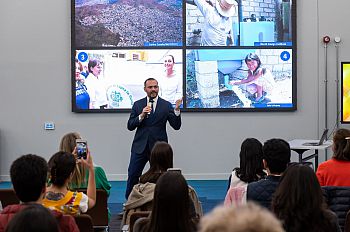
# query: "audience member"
x,y
81,174
250,169
28,176
34,218
244,218
336,171
276,156
141,196
298,202
58,196
161,159
170,211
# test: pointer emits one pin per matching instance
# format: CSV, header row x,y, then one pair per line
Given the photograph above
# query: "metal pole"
x,y
337,82
325,92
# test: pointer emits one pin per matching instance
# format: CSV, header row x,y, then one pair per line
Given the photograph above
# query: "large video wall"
x,y
218,55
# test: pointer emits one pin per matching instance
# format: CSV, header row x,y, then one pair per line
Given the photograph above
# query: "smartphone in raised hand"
x,y
81,148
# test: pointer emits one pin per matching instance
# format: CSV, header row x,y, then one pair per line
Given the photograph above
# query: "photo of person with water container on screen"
x,y
259,81
239,23
239,78
216,25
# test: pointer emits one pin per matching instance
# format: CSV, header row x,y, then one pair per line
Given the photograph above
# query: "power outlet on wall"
x,y
49,126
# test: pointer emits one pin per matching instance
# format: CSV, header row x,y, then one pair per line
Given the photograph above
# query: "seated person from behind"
x,y
276,156
161,159
58,196
28,176
299,203
251,169
141,196
336,171
81,174
170,211
33,218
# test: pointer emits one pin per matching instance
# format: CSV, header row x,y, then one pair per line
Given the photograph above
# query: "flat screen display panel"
x,y
225,55
345,91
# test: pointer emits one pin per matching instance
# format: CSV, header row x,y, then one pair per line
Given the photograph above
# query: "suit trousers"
x,y
136,166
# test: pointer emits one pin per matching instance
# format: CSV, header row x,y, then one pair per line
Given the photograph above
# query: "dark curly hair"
x,y
276,153
28,176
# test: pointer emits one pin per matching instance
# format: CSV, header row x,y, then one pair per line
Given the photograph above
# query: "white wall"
x,y
35,87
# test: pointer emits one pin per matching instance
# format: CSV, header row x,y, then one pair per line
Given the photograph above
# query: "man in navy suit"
x,y
149,115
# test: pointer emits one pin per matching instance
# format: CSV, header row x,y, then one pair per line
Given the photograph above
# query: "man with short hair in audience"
x,y
276,156
29,175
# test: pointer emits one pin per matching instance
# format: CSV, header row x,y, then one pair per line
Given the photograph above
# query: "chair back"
x,y
8,197
84,223
347,222
338,200
140,224
99,213
135,216
195,199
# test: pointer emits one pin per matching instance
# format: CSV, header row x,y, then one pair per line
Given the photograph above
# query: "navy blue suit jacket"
x,y
152,129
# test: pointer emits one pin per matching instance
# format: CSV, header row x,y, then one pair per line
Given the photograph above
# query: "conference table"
x,y
297,146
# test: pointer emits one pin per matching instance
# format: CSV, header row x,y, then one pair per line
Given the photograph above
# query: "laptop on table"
x,y
322,140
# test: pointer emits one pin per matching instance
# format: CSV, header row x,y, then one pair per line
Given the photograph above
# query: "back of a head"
x,y
68,142
28,176
341,144
33,218
299,193
244,218
170,210
161,156
61,166
161,159
251,163
276,153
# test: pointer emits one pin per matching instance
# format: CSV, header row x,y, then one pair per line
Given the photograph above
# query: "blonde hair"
x,y
67,144
244,218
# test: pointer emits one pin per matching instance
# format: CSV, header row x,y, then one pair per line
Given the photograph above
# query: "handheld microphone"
x,y
150,103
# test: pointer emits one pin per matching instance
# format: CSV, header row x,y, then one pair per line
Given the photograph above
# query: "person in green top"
x,y
81,174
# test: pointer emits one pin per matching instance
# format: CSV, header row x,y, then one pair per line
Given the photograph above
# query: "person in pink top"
x,y
336,171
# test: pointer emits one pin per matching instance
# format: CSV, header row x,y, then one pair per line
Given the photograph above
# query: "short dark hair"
x,y
61,166
276,153
93,63
28,176
149,79
172,57
34,217
341,144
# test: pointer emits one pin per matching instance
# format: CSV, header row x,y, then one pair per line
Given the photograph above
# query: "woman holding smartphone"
x,y
81,174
